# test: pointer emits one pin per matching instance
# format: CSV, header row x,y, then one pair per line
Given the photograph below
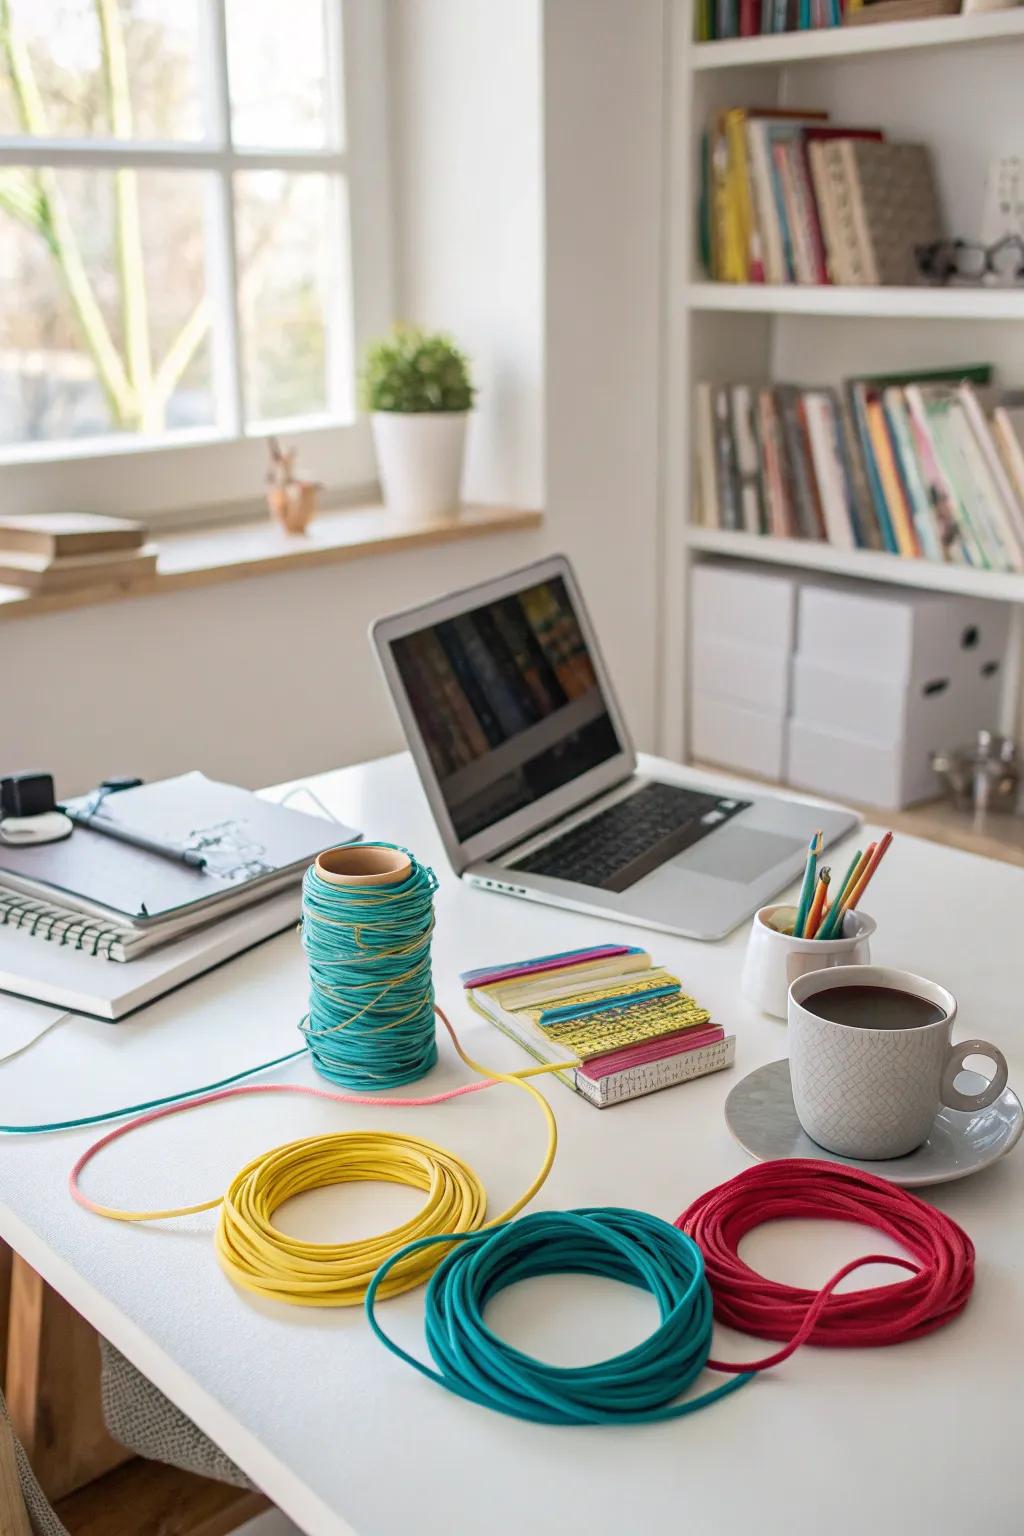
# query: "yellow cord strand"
x,y
263,1259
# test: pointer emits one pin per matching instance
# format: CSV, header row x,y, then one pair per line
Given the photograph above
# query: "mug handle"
x,y
951,1096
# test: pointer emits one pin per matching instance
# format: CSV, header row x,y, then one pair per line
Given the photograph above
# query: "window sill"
x,y
210,556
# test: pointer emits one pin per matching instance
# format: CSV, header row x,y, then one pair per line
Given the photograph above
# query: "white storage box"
x,y
848,767
745,674
750,607
737,736
922,637
945,711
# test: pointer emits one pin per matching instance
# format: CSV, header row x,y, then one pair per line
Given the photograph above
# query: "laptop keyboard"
x,y
617,847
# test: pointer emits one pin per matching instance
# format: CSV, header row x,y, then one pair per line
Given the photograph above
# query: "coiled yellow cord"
x,y
258,1256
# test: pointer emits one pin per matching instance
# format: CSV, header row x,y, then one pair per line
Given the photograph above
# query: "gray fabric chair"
x,y
140,1417
42,1520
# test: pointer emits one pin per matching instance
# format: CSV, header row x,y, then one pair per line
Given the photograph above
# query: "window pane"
x,y
95,338
276,56
65,55
289,290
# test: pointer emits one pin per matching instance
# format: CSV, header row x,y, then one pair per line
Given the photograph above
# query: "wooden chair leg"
x,y
53,1387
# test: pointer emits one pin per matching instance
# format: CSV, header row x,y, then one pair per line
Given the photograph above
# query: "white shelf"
x,y
924,303
851,42
865,564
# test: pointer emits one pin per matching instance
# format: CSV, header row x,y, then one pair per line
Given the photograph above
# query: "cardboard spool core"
x,y
363,864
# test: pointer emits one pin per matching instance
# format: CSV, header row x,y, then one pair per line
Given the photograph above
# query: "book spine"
x,y
635,1082
707,473
730,516
941,496
779,198
895,500
808,204
865,519
797,453
798,247
759,154
856,393
866,259
452,645
782,523
748,458
828,469
909,471
1005,506
1011,449
844,248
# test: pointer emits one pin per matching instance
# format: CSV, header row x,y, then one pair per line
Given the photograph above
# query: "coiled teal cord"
x,y
642,1385
371,1004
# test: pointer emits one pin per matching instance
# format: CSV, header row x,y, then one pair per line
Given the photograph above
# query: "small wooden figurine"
x,y
292,502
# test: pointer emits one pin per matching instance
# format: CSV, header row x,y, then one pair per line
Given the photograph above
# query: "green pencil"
x,y
807,889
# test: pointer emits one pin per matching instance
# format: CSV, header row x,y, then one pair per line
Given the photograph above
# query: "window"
x,y
185,248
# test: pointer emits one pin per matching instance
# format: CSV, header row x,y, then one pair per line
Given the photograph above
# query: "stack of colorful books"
x,y
623,1026
925,464
747,18
788,197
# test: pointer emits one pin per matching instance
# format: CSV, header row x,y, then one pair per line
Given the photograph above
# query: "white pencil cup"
x,y
774,960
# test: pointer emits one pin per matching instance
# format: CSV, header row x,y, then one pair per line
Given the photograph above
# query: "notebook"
x,y
251,845
622,1026
79,982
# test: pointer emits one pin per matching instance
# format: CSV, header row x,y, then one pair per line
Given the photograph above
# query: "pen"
x,y
173,851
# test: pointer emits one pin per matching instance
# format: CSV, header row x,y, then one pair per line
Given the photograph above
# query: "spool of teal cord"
x,y
367,920
641,1385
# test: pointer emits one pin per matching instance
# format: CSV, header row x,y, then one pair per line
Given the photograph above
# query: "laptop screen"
x,y
507,702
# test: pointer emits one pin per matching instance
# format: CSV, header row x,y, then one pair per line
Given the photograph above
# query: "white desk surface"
x,y
923,1437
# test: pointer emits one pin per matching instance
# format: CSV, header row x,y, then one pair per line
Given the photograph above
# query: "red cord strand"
x,y
941,1263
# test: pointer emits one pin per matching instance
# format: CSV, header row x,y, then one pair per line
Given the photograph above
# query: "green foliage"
x,y
412,371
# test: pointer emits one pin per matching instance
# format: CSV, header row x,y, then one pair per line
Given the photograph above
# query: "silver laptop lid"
x,y
507,706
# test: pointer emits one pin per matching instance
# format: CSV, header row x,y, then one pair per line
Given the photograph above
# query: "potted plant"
x,y
418,390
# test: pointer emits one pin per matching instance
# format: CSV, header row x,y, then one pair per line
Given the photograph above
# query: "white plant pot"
x,y
419,460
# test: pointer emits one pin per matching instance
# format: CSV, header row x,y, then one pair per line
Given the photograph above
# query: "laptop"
x,y
523,752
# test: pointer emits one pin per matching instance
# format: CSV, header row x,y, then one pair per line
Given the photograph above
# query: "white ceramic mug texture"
x,y
774,960
874,1093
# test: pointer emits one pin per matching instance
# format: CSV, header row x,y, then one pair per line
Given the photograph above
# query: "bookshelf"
x,y
850,42
916,79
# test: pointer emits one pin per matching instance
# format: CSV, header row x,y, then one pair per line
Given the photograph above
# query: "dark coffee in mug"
x,y
873,1008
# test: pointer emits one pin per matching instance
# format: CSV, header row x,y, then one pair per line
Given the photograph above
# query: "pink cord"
x,y
231,1093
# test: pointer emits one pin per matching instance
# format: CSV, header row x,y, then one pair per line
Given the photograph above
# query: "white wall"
x,y
603,99
271,678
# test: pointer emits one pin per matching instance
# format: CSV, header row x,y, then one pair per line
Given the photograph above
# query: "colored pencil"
x,y
827,929
807,889
816,913
876,859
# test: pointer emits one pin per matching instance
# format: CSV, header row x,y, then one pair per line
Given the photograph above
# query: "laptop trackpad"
x,y
738,853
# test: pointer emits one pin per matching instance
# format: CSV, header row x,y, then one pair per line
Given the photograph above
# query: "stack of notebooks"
x,y
623,1026
100,925
789,198
69,550
924,465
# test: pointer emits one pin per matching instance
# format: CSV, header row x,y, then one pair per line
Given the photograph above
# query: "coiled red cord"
x,y
942,1264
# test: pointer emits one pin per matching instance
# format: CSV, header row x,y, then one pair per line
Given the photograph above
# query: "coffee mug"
x,y
874,1092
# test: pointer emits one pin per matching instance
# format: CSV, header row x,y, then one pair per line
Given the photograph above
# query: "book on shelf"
x,y
899,10
59,534
787,197
619,1025
925,465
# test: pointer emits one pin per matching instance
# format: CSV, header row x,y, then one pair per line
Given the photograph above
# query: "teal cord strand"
x,y
370,1024
137,1109
640,1386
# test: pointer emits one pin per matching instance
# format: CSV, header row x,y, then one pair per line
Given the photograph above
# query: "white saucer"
x,y
760,1114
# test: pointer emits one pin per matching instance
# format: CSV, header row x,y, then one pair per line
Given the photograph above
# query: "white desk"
x,y
922,1438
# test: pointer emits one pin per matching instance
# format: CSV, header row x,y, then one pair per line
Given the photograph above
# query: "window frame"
x,y
213,473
